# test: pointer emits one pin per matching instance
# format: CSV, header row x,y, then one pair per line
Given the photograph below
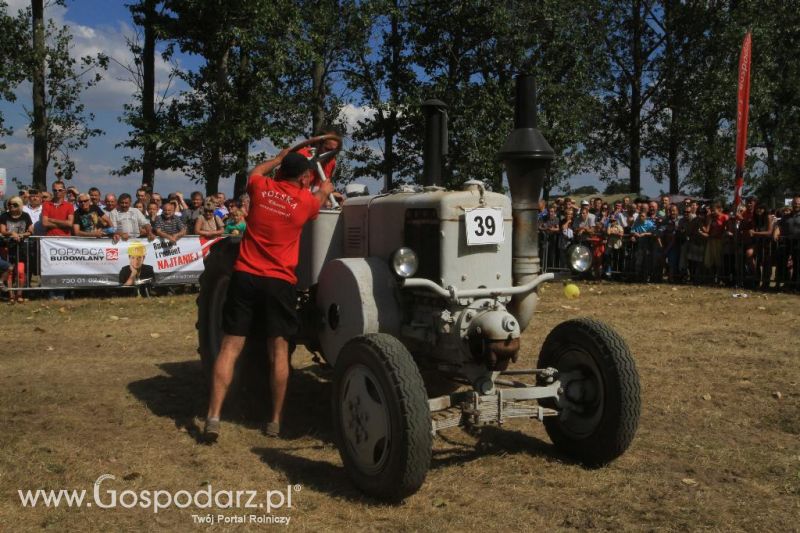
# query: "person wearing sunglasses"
x,y
209,225
58,214
16,226
90,220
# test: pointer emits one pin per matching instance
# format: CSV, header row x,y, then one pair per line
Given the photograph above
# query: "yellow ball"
x,y
571,291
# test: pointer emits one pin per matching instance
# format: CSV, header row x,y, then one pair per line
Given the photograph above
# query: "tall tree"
x,y
12,68
238,94
60,123
775,95
379,71
146,115
634,40
471,51
39,124
691,34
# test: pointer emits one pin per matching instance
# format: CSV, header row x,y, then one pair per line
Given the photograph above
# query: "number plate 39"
x,y
484,225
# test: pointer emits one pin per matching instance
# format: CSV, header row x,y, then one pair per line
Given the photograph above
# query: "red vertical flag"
x,y
742,113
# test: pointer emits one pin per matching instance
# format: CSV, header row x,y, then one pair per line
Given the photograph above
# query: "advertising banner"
x,y
89,262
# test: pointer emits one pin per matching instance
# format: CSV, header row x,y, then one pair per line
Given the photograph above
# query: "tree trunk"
x,y
674,186
216,122
243,148
39,126
318,97
711,177
388,151
148,95
672,96
240,184
390,129
636,102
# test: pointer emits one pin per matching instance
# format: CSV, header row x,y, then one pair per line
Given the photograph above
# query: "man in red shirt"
x,y
714,230
264,278
57,215
330,141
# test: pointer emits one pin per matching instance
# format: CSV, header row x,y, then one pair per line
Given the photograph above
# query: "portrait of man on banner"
x,y
136,272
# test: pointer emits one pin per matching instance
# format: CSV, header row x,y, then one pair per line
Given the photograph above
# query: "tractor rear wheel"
x,y
381,417
248,394
601,402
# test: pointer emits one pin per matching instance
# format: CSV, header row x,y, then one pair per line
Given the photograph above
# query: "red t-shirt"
x,y
58,212
717,226
327,167
271,244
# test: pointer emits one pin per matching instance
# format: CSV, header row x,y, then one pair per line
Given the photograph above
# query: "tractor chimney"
x,y
526,156
435,146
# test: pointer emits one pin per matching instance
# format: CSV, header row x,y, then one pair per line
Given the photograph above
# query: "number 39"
x,y
486,226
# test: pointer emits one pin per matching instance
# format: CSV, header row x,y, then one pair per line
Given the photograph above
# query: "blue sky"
x,y
101,26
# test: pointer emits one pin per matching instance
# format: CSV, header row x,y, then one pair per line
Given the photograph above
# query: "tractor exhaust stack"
x,y
436,137
526,156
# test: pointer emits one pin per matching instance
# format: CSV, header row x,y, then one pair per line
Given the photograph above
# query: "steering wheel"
x,y
316,163
321,158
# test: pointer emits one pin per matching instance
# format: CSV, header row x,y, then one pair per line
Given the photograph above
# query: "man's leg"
x,y
279,375
223,373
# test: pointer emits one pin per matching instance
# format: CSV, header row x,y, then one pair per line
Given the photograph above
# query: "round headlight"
x,y
405,262
580,257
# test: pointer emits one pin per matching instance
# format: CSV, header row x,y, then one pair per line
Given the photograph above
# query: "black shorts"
x,y
262,306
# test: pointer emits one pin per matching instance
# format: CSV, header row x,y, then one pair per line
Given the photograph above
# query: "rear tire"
x,y
248,394
381,418
601,402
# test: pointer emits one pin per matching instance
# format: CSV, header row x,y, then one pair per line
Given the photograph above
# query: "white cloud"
x,y
17,5
117,86
352,114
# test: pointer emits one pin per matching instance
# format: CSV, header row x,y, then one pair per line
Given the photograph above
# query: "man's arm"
x,y
49,222
776,232
181,230
181,201
78,232
262,169
325,190
316,140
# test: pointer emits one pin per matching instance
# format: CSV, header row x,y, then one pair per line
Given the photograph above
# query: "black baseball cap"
x,y
294,165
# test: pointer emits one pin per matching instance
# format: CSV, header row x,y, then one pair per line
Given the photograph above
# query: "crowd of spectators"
x,y
68,212
691,241
650,240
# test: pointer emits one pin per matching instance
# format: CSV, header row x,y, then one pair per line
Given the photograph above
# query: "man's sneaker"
x,y
211,431
272,429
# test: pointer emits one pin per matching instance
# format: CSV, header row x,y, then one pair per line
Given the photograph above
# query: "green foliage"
x,y
617,187
12,67
645,83
68,121
586,190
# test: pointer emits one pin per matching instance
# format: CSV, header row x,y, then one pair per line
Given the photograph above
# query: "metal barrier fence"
x,y
756,262
21,264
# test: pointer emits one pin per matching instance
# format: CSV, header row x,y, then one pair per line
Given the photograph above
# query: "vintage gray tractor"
x,y
423,281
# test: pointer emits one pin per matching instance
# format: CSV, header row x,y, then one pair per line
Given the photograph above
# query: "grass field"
x,y
113,386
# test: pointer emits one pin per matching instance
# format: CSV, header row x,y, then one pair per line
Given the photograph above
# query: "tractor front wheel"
x,y
381,417
600,400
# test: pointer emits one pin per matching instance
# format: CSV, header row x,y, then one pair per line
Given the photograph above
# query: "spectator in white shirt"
x,y
128,222
34,210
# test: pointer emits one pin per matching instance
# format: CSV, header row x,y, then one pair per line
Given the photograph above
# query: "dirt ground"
x,y
114,386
